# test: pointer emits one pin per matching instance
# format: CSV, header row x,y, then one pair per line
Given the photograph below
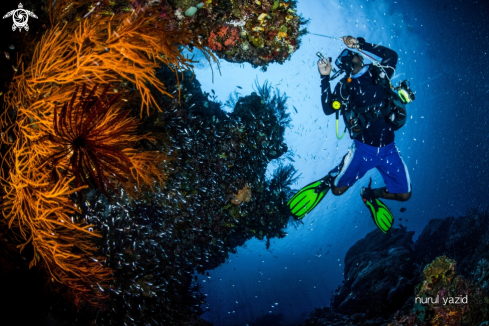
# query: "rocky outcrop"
x,y
382,271
445,299
326,316
378,274
455,237
429,245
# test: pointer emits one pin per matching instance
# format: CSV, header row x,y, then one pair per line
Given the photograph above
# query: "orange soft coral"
x,y
105,49
53,148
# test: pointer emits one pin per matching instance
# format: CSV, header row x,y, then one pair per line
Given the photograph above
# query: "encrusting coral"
x,y
53,149
258,32
445,298
441,269
225,38
243,195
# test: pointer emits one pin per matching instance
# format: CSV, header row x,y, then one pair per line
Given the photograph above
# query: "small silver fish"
x,y
7,55
12,47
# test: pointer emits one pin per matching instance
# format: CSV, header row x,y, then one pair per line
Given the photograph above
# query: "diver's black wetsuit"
x,y
365,92
375,147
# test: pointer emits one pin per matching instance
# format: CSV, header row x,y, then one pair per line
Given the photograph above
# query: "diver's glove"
x,y
350,42
361,42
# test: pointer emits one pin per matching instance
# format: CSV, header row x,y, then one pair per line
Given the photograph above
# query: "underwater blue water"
x,y
442,50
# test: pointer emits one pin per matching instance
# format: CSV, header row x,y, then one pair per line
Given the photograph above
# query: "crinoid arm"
x,y
96,141
89,135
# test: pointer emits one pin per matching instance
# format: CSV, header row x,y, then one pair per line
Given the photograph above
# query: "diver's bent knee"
x,y
339,191
404,197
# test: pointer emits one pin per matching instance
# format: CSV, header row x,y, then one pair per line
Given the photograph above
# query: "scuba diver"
x,y
372,111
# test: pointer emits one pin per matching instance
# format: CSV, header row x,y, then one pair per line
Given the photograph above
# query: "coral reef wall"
x,y
119,177
215,199
54,146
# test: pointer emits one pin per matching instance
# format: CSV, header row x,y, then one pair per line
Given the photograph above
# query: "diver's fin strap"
x,y
328,180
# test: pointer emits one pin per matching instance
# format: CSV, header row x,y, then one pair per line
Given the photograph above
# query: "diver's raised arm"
x,y
387,57
324,67
326,95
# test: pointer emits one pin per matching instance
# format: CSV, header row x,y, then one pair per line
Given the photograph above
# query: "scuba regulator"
x,y
404,92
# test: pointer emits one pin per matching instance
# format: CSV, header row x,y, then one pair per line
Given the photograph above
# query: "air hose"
x,y
337,126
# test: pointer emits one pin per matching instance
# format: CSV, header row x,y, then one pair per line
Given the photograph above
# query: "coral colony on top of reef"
x,y
105,136
258,32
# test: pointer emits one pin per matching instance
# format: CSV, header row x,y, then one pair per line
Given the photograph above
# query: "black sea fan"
x,y
92,135
283,178
274,101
